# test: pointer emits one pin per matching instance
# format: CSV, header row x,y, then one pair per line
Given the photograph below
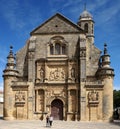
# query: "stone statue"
x,y
73,72
41,75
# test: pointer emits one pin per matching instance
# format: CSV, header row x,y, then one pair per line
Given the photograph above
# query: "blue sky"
x,y
19,17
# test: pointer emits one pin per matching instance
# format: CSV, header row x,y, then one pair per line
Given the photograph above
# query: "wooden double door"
x,y
57,109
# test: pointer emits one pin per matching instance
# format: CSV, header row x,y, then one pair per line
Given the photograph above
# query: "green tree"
x,y
116,98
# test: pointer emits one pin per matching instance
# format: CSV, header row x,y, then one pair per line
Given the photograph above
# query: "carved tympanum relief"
x,y
53,93
57,74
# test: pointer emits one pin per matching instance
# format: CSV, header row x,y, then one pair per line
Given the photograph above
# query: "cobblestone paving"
x,y
32,124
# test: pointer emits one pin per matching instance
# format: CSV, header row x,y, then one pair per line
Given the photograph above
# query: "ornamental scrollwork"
x,y
58,93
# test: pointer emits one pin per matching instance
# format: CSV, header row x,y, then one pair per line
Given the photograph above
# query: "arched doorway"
x,y
57,109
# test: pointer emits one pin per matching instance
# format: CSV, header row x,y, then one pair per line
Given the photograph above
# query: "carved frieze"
x,y
57,74
55,93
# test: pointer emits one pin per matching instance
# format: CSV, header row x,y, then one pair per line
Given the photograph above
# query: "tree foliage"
x,y
116,98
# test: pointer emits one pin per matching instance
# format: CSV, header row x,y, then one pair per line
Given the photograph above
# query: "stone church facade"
x,y
61,72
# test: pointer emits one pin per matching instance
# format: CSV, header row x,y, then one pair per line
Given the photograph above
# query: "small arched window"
x,y
86,27
51,49
57,49
57,46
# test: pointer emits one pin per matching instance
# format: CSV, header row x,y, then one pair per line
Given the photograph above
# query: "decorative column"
x,y
31,60
46,72
69,104
76,112
64,112
68,100
45,112
37,100
82,78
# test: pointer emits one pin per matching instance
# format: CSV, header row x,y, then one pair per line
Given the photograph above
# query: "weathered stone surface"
x,y
59,72
57,24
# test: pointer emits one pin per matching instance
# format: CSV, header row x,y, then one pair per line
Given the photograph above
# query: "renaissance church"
x,y
61,72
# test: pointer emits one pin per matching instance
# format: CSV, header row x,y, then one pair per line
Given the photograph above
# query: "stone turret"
x,y
106,74
104,64
10,74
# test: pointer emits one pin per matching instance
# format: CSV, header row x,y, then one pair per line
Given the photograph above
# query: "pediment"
x,y
57,24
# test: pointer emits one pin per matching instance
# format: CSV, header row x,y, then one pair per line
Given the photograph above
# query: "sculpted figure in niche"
x,y
93,96
73,72
41,75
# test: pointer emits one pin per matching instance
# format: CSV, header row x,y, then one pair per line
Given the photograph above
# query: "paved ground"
x,y
32,124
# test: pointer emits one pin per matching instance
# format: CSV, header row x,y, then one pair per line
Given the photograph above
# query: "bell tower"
x,y
86,22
